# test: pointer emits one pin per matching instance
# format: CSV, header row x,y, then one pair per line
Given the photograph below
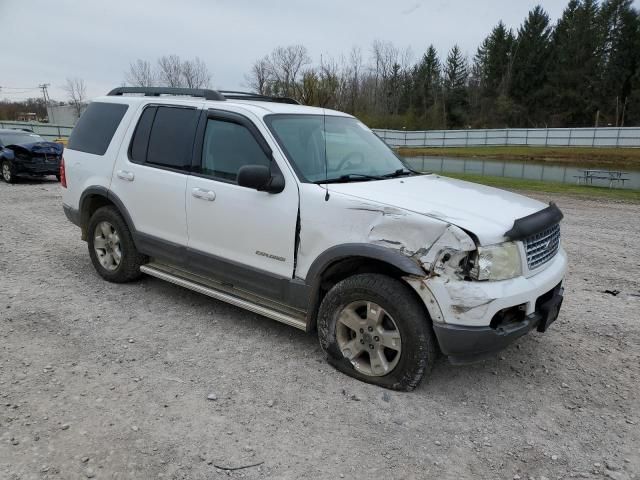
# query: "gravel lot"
x,y
111,381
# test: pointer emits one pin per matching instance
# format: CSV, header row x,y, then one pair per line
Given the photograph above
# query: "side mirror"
x,y
259,178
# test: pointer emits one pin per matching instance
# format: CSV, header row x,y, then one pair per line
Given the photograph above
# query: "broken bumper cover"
x,y
42,168
462,311
464,344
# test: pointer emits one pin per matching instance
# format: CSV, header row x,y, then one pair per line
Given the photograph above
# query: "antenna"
x,y
326,162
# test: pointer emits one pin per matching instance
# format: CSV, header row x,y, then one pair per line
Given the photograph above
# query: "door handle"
x,y
203,194
124,175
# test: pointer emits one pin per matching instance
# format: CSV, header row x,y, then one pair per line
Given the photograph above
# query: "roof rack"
x,y
200,92
236,95
157,91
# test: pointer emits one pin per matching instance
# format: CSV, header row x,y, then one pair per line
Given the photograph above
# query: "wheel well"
x,y
89,205
347,267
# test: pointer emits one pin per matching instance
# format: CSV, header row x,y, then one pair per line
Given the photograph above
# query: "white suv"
x,y
305,216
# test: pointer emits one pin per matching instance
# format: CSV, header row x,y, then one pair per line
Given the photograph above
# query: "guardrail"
x,y
46,130
534,137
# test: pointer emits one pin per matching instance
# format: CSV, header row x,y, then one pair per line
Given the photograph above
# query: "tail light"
x,y
63,176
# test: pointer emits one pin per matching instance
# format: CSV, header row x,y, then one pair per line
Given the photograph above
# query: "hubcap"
x,y
106,244
369,338
6,172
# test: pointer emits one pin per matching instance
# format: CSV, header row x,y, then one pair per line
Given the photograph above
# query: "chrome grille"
x,y
542,246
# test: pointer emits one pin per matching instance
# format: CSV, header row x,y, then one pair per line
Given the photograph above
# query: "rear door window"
x,y
95,129
140,141
171,138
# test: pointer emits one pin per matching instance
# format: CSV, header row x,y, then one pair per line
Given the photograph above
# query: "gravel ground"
x,y
112,381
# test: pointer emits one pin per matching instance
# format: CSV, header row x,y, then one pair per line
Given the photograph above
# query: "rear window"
x,y
95,129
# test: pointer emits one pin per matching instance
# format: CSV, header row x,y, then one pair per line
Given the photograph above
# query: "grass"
x,y
610,158
550,187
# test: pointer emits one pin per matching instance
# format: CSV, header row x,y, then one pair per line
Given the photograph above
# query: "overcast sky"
x,y
47,41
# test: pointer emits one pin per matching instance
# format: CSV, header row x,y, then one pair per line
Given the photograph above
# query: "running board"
x,y
176,277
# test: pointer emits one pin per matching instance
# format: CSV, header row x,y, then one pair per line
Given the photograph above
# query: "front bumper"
x,y
37,168
466,315
464,344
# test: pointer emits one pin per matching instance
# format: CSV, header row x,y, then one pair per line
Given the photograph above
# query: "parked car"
x,y
23,152
305,216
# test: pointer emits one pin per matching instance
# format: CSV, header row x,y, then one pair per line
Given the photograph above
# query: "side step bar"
x,y
172,276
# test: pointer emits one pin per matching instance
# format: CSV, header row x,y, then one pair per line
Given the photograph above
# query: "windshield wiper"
x,y
349,178
401,172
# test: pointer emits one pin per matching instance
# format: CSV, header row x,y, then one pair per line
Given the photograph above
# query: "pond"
x,y
514,169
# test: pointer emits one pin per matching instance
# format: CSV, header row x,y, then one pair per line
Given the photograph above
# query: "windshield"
x,y
353,151
19,138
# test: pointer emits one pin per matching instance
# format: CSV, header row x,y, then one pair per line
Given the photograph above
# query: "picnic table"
x,y
612,176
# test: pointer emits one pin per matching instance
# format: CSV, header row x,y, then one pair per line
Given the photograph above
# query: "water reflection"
x,y
505,168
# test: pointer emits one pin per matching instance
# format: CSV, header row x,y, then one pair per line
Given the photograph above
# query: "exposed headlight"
x,y
497,262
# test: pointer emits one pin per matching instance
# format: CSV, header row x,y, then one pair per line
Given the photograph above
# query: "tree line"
x,y
584,70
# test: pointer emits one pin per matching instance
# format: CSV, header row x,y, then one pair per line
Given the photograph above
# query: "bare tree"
x,y
140,74
170,71
285,65
195,74
77,93
259,77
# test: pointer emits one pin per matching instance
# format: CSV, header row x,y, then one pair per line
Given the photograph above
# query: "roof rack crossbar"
x,y
157,91
237,95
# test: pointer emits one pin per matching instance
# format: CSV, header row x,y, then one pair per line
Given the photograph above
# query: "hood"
x,y
39,148
484,211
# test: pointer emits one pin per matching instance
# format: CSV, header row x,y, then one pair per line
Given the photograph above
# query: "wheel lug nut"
x,y
361,341
370,329
371,347
377,339
362,330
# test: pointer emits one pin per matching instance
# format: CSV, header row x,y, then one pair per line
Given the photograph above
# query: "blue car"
x,y
25,153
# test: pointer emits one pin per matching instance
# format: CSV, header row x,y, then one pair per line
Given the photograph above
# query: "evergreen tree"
x,y
529,68
619,57
456,74
427,85
493,61
574,72
491,76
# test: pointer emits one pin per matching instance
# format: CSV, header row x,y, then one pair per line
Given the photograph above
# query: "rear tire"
x,y
111,247
388,341
8,173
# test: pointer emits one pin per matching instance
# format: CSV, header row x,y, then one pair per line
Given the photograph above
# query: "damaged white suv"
x,y
305,216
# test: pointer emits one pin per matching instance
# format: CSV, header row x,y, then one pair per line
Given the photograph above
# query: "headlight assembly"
x,y
497,262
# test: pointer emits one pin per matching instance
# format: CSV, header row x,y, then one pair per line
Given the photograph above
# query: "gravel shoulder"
x,y
111,381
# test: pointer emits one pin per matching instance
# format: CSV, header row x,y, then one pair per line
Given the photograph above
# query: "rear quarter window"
x,y
95,129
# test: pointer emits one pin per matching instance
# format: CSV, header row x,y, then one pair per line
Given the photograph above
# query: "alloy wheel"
x,y
369,338
106,244
6,172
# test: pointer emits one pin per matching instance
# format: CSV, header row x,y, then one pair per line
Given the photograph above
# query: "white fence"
x,y
535,137
46,130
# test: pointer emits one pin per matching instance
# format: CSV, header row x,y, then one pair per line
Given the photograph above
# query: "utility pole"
x,y
45,95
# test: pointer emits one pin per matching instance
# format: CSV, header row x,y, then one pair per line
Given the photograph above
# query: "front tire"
x,y
374,329
8,174
111,247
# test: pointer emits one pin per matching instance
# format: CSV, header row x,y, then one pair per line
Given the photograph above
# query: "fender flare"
x,y
365,250
113,198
